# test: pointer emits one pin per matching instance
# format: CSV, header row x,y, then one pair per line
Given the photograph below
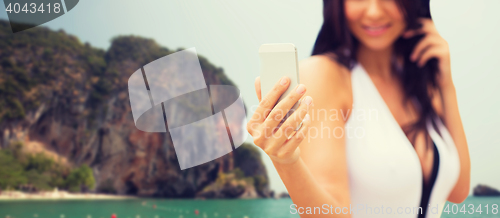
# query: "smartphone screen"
x,y
278,60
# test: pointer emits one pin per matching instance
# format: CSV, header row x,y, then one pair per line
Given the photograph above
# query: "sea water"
x,y
175,208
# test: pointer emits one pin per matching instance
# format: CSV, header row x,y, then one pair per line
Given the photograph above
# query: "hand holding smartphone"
x,y
280,122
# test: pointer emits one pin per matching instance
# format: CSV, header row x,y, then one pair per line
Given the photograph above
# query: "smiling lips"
x,y
376,30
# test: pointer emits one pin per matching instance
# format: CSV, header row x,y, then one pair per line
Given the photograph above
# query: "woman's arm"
x,y
452,120
445,102
318,178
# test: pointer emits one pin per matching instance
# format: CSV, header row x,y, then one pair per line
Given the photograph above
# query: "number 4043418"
x,y
33,8
471,209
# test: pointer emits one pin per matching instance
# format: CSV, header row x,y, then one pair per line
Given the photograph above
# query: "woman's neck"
x,y
376,62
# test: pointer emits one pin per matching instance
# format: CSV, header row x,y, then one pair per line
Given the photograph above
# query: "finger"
x,y
292,124
288,128
253,128
424,44
284,106
426,56
283,132
257,88
268,102
293,143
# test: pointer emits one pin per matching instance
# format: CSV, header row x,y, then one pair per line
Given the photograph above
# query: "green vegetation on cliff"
x,y
247,179
24,76
35,172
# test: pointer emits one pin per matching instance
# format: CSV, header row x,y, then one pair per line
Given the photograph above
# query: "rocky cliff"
x,y
70,101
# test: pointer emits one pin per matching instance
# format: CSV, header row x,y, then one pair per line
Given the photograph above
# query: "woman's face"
x,y
375,23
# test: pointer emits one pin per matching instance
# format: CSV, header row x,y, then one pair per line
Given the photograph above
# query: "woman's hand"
x,y
280,142
431,46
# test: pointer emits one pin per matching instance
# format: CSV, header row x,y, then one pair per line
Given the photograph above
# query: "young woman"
x,y
384,135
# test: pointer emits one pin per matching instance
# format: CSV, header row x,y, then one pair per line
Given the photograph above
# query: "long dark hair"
x,y
336,40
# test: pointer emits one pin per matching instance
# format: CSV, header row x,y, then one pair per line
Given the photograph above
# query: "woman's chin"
x,y
378,46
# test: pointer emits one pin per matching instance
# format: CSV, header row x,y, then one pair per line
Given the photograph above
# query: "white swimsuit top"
x,y
385,175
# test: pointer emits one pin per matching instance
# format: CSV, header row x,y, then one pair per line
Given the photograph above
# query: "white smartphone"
x,y
276,61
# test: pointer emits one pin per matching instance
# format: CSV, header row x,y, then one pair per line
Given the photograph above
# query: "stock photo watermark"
x,y
361,209
323,119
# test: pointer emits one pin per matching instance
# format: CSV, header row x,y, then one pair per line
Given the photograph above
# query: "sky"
x,y
230,32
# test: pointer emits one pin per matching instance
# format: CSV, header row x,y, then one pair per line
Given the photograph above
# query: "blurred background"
x,y
66,129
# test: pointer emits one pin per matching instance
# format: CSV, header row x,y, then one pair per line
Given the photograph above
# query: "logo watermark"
x,y
205,121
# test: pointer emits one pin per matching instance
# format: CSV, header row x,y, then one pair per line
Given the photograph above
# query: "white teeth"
x,y
375,28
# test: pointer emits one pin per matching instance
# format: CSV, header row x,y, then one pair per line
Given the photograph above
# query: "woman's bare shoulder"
x,y
324,78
